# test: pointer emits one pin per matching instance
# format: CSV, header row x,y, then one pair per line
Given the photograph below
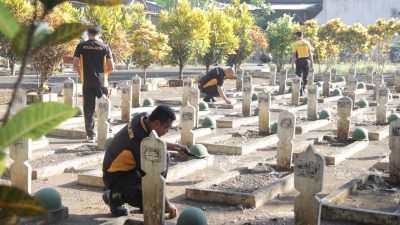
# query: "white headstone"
x,y
282,81
188,122
247,92
153,154
309,169
187,84
352,89
69,92
382,107
310,77
286,131
21,152
327,84
272,74
239,79
296,86
104,112
136,86
264,104
194,100
378,81
352,72
344,110
312,102
394,156
20,169
397,81
126,102
370,74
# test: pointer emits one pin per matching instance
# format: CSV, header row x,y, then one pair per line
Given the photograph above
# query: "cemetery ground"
x,y
86,205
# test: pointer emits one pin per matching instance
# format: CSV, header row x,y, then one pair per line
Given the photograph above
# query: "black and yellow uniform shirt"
x,y
301,48
214,77
92,55
123,153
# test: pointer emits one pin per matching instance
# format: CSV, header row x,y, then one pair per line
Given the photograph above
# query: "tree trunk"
x,y
207,67
181,71
145,76
12,68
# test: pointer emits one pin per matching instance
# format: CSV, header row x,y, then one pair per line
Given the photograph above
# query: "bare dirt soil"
x,y
251,180
63,155
377,193
242,138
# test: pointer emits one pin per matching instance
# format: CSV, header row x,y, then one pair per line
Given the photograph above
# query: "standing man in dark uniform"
x,y
92,60
122,174
211,84
302,56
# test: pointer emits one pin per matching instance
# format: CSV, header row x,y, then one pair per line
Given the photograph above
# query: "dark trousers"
x,y
128,185
89,105
302,67
209,92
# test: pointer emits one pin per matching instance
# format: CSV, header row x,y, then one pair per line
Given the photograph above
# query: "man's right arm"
x,y
222,95
77,67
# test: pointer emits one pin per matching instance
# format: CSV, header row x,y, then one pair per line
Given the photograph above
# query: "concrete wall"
x,y
358,11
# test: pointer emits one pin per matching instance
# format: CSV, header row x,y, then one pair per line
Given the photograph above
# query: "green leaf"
x,y
34,121
50,4
8,24
2,162
64,33
18,202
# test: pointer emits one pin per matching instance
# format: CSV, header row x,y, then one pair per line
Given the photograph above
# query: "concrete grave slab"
x,y
52,169
217,144
310,125
175,172
336,154
203,192
334,209
235,120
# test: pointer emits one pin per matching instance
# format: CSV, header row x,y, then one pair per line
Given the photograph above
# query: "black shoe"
x,y
212,99
117,208
207,99
118,211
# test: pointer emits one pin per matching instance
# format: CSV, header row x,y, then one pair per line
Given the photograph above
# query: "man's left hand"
x,y
182,149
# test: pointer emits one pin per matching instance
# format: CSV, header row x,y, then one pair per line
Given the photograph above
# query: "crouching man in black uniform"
x,y
211,84
122,174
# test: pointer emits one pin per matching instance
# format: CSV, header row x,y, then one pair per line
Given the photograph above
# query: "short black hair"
x,y
299,34
162,113
94,30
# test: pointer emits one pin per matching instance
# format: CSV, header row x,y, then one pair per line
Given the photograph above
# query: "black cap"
x,y
94,30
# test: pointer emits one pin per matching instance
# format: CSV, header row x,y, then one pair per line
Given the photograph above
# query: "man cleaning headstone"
x,y
211,84
122,173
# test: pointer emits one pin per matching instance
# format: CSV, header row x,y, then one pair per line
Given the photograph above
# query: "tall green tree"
x,y
329,42
149,46
188,32
222,39
23,12
243,23
381,35
355,40
280,36
52,55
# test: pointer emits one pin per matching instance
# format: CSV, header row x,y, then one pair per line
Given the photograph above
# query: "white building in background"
x,y
358,11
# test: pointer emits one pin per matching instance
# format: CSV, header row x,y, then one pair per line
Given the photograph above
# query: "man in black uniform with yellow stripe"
x,y
302,55
92,60
122,174
211,84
